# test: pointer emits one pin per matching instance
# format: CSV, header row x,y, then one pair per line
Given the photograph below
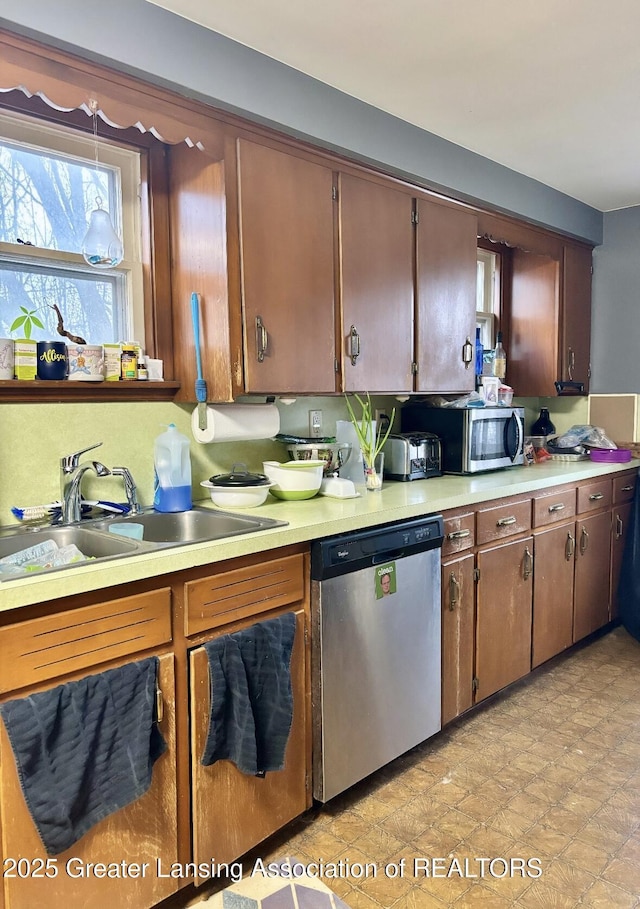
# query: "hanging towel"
x,y
251,696
629,584
85,749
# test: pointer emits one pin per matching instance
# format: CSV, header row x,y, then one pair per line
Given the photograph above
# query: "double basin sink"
x,y
98,542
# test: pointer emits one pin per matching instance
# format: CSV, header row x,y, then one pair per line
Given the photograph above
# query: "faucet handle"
x,y
71,462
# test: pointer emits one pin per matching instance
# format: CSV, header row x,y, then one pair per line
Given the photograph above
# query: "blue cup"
x,y
52,360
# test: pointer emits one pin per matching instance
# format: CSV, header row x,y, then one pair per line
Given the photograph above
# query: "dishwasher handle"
x,y
388,556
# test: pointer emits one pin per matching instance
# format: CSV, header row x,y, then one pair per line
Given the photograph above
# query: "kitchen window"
x,y
50,180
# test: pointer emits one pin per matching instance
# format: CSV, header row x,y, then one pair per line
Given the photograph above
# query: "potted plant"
x,y
370,438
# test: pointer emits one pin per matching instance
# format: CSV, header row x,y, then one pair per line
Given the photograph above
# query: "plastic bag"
x,y
583,434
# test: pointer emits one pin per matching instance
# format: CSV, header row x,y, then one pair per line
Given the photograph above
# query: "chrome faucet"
x,y
129,488
71,474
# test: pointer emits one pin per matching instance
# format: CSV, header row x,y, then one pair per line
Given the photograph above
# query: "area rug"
x,y
286,885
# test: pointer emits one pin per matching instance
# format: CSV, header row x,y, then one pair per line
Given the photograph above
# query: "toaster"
x,y
412,456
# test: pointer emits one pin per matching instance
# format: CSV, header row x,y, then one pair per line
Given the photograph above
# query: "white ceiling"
x,y
549,88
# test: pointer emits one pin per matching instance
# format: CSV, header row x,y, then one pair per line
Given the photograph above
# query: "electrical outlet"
x,y
315,424
380,415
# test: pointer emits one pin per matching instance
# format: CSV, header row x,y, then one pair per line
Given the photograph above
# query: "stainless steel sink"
x,y
195,526
95,545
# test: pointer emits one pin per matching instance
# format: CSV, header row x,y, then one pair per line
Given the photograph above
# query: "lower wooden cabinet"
x,y
129,842
592,583
620,518
554,553
458,623
231,811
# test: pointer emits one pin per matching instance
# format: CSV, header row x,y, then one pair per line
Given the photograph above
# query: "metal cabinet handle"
x,y
458,534
571,362
454,591
159,706
619,527
627,488
569,547
354,345
467,353
527,564
596,496
584,541
504,522
262,339
554,508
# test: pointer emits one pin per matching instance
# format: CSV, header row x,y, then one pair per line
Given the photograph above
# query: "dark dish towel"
x,y
85,749
251,696
629,584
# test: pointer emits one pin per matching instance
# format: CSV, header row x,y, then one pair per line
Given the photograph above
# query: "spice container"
x,y
129,362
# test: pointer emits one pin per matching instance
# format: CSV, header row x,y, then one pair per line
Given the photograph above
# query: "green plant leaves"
x,y
27,322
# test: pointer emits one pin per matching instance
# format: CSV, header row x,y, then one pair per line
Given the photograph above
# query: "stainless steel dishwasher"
x,y
375,648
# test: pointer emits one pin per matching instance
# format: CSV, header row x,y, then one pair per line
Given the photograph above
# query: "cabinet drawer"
x,y
242,592
596,495
459,533
553,505
503,521
623,488
52,646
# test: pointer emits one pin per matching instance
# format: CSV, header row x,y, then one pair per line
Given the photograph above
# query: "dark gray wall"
x,y
615,337
141,38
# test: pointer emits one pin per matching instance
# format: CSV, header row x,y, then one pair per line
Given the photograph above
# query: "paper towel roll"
x,y
237,423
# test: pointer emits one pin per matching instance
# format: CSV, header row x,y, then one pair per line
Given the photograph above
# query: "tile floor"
x,y
549,771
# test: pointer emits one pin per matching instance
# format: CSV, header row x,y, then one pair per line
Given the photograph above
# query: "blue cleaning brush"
x,y
201,385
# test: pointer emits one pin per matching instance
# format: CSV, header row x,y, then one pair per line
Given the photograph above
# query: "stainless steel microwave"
x,y
472,439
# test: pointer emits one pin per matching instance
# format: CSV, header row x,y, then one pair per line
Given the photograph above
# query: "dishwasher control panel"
x,y
349,552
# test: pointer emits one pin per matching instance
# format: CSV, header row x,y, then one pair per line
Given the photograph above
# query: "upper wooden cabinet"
x,y
446,255
575,350
285,207
376,285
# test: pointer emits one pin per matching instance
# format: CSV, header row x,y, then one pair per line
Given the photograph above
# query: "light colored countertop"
x,y
307,520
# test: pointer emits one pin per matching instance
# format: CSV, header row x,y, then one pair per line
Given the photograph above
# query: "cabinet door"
x,y
446,256
458,599
287,278
376,286
554,551
593,545
620,522
503,622
576,340
533,342
233,812
143,832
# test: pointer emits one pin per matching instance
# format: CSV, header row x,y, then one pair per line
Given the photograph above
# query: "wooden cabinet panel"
x,y
533,320
620,522
143,832
458,622
64,642
624,487
376,286
592,580
446,267
596,495
576,321
502,520
239,593
459,533
287,273
553,505
232,812
554,551
504,611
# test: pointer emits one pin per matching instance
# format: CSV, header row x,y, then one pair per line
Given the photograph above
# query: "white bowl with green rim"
x,y
294,480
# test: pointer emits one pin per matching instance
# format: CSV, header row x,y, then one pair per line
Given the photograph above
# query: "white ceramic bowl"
x,y
294,479
237,497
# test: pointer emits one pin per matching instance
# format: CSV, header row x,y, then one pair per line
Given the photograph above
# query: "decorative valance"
x,y
68,83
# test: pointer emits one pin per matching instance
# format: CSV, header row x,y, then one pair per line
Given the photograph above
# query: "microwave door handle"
x,y
515,432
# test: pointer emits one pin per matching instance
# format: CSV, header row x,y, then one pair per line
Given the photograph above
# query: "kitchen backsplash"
x,y
35,436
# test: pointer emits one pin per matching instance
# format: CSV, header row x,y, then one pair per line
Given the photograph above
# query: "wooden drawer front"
x,y
595,495
39,649
503,521
459,534
552,506
623,488
242,592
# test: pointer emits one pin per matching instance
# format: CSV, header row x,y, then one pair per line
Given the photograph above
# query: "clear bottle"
x,y
172,463
499,358
479,357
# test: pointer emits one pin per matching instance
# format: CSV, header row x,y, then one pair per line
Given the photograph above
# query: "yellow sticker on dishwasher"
x,y
385,580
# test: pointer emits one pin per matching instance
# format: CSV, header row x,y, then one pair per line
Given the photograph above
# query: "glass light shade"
x,y
101,246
